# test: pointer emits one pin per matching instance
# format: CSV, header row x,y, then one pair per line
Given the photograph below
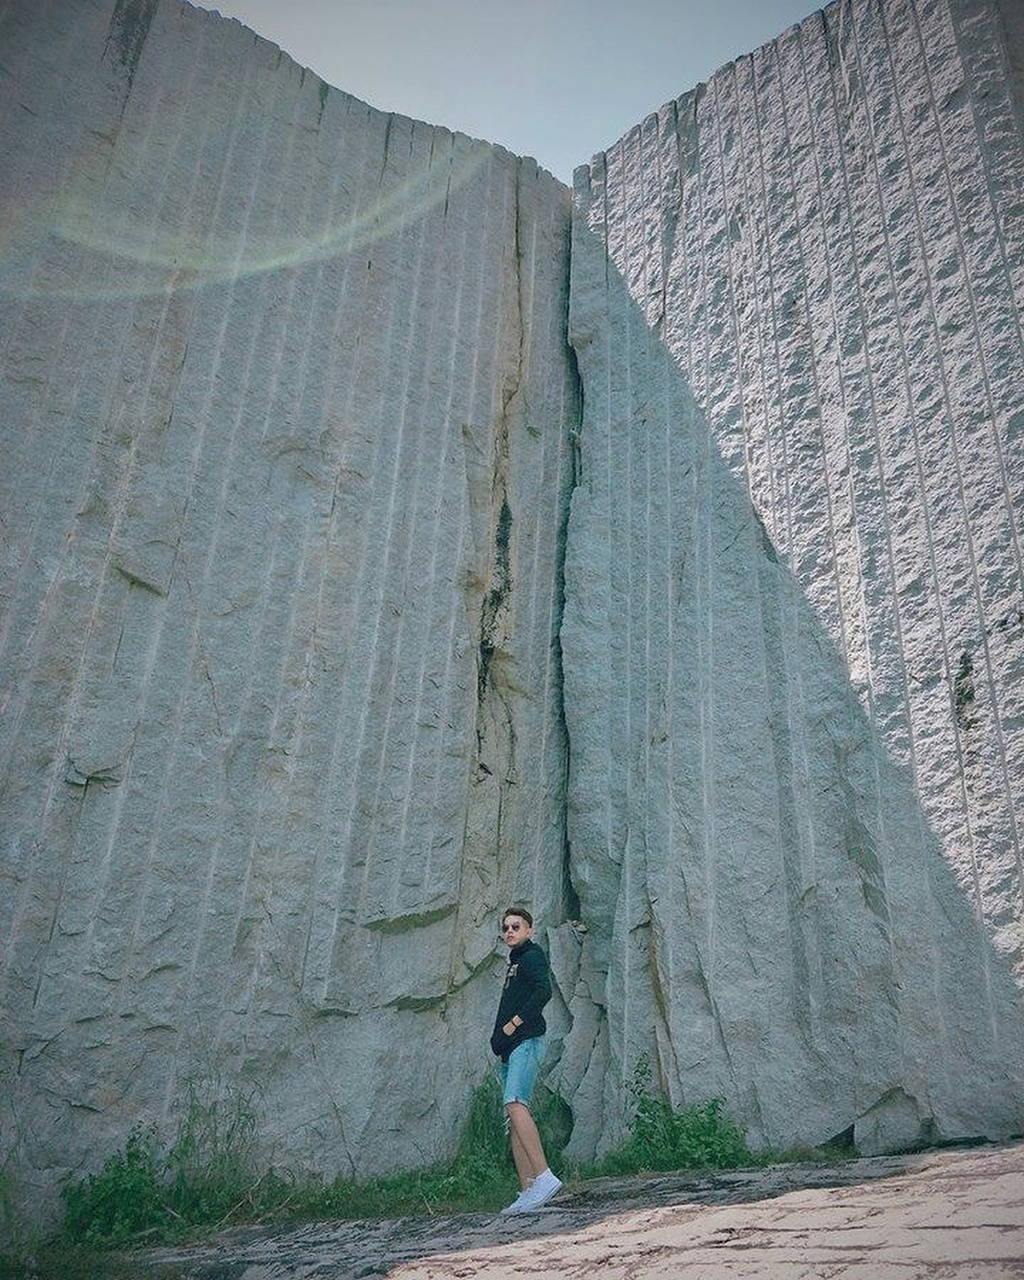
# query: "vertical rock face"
x,y
794,632
285,405
294,483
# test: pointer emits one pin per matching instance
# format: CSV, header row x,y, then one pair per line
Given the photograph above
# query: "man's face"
x,y
514,930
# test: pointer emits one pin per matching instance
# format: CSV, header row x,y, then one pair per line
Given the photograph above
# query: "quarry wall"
x,y
389,534
286,409
793,634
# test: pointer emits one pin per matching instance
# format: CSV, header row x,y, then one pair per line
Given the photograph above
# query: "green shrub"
x,y
208,1176
662,1139
124,1198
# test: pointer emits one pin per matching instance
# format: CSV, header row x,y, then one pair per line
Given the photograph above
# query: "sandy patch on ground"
x,y
941,1215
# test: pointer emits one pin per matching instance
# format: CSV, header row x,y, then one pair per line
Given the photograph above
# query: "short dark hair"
x,y
517,911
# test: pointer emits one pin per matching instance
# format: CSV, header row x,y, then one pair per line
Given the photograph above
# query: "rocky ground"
x,y
939,1215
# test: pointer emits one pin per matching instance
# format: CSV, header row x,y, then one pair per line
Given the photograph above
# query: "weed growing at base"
x,y
211,1178
662,1139
211,1175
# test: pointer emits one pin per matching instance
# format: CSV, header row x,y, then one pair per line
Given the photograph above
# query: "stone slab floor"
x,y
953,1213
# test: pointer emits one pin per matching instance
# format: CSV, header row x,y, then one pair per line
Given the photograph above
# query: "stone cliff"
x,y
344,601
794,638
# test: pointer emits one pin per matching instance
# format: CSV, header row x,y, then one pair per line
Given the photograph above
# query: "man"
x,y
518,1040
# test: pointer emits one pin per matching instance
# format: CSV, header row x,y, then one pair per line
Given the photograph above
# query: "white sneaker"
x,y
514,1206
540,1191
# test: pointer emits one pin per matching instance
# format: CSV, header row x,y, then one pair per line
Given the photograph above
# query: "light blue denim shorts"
x,y
519,1074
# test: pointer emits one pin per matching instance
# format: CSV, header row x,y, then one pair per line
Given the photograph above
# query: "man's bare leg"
x,y
527,1151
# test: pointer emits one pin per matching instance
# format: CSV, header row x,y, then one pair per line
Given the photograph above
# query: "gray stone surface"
x,y
793,633
342,602
285,406
954,1213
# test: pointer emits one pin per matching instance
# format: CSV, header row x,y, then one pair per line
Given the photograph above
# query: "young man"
x,y
518,1040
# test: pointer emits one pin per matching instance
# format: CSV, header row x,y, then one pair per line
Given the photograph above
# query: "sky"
x,y
558,80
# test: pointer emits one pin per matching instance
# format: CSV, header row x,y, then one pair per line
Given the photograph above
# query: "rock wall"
x,y
285,406
306,509
794,633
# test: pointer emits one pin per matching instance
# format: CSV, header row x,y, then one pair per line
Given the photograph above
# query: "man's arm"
x,y
536,977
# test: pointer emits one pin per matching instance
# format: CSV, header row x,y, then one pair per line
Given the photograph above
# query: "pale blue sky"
x,y
554,79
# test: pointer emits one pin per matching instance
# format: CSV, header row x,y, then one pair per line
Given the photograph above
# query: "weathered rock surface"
x,y
286,405
294,463
794,635
953,1213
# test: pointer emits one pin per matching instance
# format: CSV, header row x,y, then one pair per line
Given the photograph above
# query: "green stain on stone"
x,y
129,28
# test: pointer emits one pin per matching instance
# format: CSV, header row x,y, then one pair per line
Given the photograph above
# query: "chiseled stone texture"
x,y
293,466
794,628
286,409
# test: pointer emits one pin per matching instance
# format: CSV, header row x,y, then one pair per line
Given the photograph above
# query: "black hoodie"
x,y
527,990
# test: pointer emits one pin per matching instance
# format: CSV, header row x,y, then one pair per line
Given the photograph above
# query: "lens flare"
x,y
82,244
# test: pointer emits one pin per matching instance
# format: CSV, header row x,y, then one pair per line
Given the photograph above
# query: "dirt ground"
x,y
953,1214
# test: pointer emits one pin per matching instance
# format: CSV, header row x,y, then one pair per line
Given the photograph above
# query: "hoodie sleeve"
x,y
536,976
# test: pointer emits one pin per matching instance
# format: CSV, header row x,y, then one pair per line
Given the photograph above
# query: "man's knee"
x,y
517,1111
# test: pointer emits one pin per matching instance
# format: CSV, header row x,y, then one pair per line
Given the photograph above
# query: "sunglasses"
x,y
513,927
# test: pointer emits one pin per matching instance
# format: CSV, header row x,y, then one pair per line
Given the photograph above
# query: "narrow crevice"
x,y
497,599
126,36
963,692
576,400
